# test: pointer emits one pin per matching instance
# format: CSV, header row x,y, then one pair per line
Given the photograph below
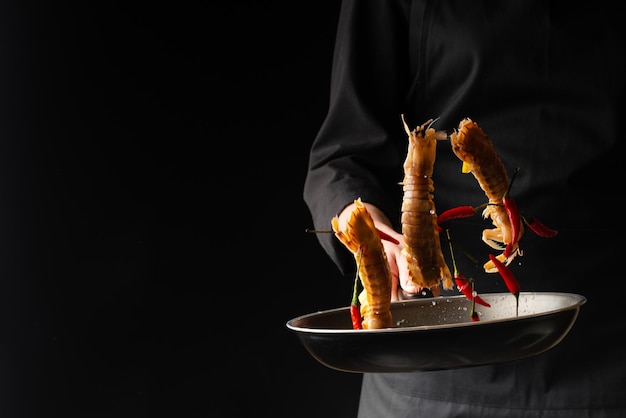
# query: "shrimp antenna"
x,y
433,121
423,128
406,127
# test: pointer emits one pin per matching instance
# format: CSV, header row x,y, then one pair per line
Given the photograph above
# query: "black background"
x,y
152,158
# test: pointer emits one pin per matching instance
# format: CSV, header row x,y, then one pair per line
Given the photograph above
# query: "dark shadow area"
x,y
153,230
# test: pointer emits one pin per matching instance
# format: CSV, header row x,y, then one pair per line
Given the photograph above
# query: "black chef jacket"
x,y
545,81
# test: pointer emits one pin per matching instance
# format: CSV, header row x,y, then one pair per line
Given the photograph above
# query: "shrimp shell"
x,y
362,239
427,266
472,146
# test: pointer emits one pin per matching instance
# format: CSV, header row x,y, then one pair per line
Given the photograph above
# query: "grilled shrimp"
x,y
362,239
427,266
474,148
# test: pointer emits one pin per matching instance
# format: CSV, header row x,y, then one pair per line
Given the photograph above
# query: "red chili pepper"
x,y
514,217
463,284
466,288
539,228
464,211
355,314
387,237
456,213
507,275
473,314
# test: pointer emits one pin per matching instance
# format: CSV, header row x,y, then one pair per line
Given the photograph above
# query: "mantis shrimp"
x,y
427,267
362,238
474,148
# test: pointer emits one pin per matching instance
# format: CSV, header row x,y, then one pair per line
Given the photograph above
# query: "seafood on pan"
x,y
427,266
478,154
362,238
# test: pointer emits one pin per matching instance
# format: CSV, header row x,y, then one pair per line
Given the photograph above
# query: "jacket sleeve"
x,y
360,146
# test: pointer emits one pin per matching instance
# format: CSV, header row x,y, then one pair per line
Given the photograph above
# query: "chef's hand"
x,y
397,261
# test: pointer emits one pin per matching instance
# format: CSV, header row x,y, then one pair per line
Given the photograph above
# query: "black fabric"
x,y
545,80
